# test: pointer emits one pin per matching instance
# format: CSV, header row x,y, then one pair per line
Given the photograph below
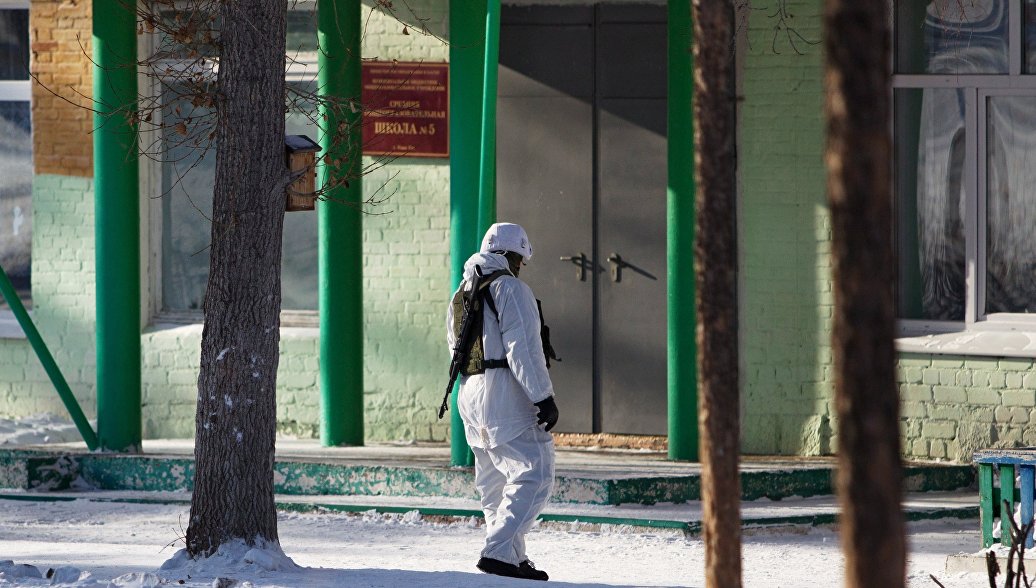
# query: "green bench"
x,y
1007,463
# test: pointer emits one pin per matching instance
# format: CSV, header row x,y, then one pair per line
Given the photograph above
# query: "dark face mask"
x,y
514,262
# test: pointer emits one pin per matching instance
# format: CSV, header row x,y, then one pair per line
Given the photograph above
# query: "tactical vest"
x,y
477,362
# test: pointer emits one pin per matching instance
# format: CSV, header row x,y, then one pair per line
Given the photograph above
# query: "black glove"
x,y
548,413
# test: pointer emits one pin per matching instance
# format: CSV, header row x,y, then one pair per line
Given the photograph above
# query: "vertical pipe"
x,y
339,225
117,225
682,368
487,149
467,18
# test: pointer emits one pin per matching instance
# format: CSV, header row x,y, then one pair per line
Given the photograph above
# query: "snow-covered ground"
x,y
127,544
38,430
96,543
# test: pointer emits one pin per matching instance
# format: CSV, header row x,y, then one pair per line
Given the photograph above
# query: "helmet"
x,y
507,237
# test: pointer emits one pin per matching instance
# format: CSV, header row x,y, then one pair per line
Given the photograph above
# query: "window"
x,y
15,148
965,161
187,173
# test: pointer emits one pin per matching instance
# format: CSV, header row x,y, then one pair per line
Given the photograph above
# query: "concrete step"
x,y
582,477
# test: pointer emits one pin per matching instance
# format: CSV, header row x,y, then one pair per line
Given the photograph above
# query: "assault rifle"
x,y
462,346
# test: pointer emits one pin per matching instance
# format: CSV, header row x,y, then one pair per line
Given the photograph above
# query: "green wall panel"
x,y
785,267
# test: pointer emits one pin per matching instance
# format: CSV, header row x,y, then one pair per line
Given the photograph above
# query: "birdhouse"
x,y
301,152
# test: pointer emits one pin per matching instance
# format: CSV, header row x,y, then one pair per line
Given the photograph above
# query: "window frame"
x,y
980,333
299,67
16,91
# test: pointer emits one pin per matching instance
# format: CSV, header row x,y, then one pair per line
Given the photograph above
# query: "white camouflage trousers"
x,y
515,480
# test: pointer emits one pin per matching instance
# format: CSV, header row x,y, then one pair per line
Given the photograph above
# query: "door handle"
x,y
617,264
580,261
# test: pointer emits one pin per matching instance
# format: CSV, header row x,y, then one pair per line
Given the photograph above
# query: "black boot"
x,y
498,568
529,571
525,570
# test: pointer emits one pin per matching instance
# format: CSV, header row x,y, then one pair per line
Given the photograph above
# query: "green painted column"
x,y
487,149
683,394
117,225
467,22
339,226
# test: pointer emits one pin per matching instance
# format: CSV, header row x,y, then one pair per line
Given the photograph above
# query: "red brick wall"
x,y
60,37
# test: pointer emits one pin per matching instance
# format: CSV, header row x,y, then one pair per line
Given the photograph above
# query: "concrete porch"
x,y
594,487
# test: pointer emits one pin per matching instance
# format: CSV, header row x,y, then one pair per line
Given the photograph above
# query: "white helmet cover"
x,y
507,237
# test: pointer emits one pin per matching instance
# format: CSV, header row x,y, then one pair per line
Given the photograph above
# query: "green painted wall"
x,y
406,274
951,405
406,277
785,240
955,405
405,266
63,302
406,257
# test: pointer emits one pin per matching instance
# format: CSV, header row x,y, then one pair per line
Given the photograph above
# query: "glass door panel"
x,y
1010,203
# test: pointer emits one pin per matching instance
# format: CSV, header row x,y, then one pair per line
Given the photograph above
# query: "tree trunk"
x,y
236,418
715,253
858,161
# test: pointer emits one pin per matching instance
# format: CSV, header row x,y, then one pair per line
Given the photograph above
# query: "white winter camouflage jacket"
x,y
498,405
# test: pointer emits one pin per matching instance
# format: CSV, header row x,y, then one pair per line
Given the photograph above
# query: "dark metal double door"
x,y
581,151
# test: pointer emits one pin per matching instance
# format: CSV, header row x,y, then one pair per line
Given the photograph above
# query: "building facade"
x,y
581,161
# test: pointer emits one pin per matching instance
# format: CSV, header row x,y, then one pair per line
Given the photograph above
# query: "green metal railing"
x,y
51,367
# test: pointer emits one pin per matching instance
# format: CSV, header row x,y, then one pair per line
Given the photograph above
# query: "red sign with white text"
x,y
406,109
